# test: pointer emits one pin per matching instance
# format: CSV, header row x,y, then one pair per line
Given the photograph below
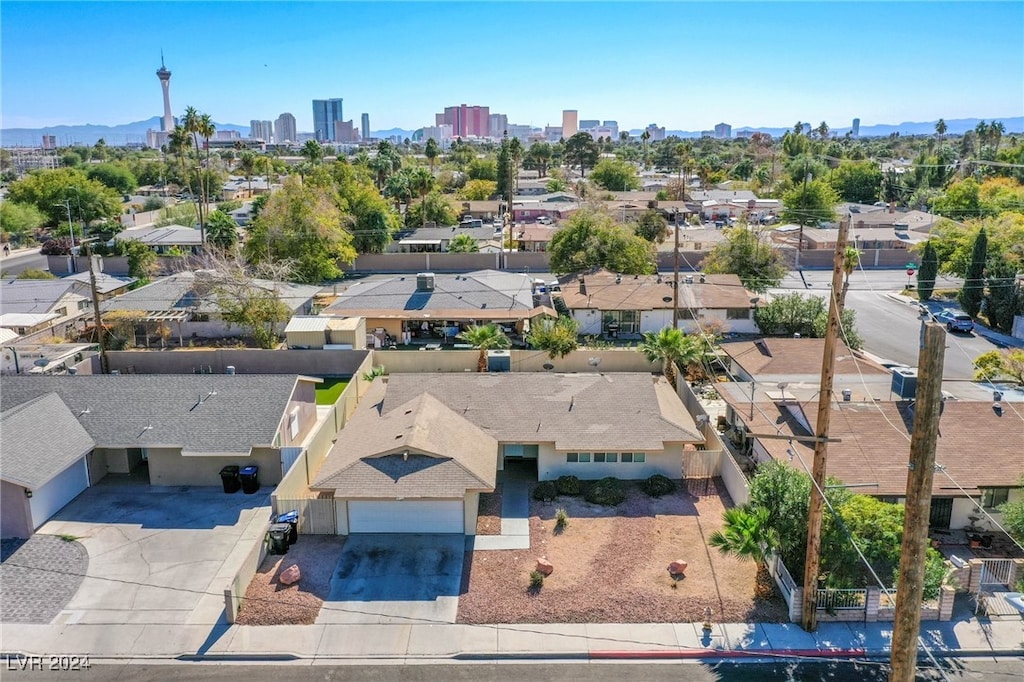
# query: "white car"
x,y
544,220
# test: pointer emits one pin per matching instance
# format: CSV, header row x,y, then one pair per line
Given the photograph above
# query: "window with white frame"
x,y
572,457
584,456
599,456
993,497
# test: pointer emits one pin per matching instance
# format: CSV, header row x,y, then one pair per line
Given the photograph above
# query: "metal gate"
x,y
995,574
316,517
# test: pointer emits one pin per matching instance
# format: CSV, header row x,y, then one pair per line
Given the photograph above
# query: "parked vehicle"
x,y
956,321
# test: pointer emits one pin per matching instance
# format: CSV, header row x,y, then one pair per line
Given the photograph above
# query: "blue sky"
x,y
685,65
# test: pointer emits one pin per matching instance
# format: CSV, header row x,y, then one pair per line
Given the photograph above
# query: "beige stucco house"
x,y
420,448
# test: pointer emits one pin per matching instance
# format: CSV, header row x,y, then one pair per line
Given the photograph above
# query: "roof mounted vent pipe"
x,y
230,369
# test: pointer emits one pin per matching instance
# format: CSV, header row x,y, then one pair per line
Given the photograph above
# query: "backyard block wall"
x,y
341,363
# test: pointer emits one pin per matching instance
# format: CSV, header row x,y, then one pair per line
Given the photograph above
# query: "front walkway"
x,y
515,516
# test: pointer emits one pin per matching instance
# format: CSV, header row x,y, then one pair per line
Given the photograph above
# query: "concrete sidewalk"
x,y
420,641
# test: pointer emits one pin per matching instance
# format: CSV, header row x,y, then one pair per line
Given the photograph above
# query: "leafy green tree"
x,y
744,253
47,190
115,176
432,151
557,337
142,260
463,243
581,151
302,224
810,203
222,230
1004,296
1013,516
153,204
434,208
1000,365
856,181
313,152
615,174
485,337
652,226
962,200
253,306
20,220
746,534
483,169
672,348
795,313
479,190
35,273
878,528
973,290
247,166
927,273
591,238
539,157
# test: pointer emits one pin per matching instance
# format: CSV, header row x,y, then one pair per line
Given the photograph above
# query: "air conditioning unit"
x,y
499,361
904,382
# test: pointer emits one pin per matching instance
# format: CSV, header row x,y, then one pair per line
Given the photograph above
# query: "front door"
x,y
941,512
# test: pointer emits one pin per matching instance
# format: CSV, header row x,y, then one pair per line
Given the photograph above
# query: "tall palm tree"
x,y
745,535
431,151
851,259
207,130
671,347
247,164
192,122
485,337
823,130
422,181
644,136
941,128
178,142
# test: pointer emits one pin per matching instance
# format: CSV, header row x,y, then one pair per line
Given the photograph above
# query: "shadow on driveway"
x,y
398,568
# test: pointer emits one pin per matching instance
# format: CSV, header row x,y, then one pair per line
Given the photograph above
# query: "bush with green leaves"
x,y
545,491
561,519
658,485
568,485
608,491
536,579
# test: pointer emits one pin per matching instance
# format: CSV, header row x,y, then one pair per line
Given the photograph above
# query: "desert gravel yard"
x,y
610,566
488,520
269,602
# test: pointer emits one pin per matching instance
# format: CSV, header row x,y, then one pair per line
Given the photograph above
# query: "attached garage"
x,y
406,516
54,495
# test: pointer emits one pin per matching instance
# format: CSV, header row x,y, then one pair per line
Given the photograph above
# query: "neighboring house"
x,y
43,358
325,333
166,240
107,286
979,449
719,204
8,335
696,239
774,359
486,211
420,448
187,301
183,427
865,238
53,306
534,238
436,239
432,306
604,302
526,211
43,465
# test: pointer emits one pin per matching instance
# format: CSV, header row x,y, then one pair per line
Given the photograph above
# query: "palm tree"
x,y
672,347
206,129
422,181
178,142
823,130
462,243
485,337
247,164
644,136
941,128
431,151
851,259
745,535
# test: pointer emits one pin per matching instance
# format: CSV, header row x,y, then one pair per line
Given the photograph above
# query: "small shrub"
x,y
67,537
536,579
545,491
608,492
568,485
658,485
561,519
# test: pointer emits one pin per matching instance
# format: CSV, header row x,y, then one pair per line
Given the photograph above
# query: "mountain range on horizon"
x,y
135,132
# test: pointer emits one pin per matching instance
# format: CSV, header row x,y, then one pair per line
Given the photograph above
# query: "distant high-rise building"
x,y
656,133
498,125
326,112
49,141
441,134
284,129
230,135
344,132
365,126
587,124
723,131
856,127
466,121
570,123
164,74
520,132
552,133
261,130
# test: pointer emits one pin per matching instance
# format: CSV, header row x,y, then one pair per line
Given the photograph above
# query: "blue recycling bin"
x,y
292,519
250,477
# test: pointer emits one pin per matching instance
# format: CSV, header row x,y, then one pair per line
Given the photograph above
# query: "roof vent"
x,y
230,369
847,395
689,279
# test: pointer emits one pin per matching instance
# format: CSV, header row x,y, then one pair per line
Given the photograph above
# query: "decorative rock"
x,y
544,566
677,567
290,575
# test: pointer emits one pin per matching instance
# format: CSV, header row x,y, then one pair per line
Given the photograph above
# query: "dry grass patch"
x,y
269,602
488,520
610,566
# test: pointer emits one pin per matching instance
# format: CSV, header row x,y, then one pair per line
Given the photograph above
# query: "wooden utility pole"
x,y
675,276
828,360
100,337
909,590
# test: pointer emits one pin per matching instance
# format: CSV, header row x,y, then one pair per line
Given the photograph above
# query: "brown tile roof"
x,y
605,290
978,447
781,356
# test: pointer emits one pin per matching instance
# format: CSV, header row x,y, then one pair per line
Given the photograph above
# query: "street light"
x,y
71,227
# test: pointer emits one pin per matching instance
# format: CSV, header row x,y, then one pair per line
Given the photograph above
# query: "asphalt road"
x,y
12,265
987,668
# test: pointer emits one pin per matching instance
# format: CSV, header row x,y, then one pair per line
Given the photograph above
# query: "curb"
x,y
729,653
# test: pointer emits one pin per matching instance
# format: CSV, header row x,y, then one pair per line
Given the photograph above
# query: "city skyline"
x,y
896,67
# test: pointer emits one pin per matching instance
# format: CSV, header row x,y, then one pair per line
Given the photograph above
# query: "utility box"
x,y
904,382
499,361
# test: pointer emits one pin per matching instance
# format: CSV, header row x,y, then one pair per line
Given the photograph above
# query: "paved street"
x,y
20,261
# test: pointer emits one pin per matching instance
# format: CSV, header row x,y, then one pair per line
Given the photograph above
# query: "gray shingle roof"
x,y
104,283
36,295
41,438
198,413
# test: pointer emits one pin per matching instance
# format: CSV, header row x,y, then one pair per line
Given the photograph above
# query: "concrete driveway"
x,y
396,579
157,555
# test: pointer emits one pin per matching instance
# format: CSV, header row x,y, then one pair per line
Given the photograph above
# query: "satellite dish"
x,y
548,366
41,362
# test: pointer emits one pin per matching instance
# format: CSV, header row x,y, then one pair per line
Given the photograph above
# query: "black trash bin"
x,y
292,519
277,538
250,476
229,477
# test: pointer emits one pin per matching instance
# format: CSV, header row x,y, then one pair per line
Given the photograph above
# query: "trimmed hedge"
x,y
545,491
569,485
658,485
608,492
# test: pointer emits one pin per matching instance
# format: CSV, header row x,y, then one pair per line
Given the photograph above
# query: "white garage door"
x,y
64,487
407,516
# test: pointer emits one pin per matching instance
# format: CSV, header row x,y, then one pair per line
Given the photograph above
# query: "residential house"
x,y
107,286
436,307
182,428
604,302
166,241
721,204
798,360
43,358
534,238
50,307
556,205
486,211
436,239
187,303
420,448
